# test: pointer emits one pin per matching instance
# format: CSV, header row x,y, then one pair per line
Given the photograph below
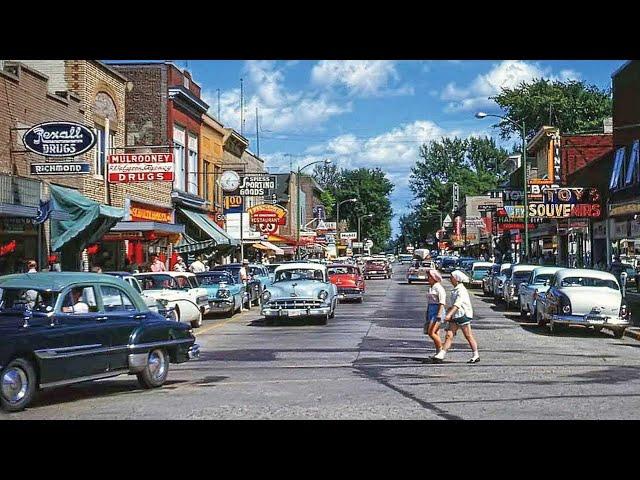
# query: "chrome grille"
x,y
295,303
349,290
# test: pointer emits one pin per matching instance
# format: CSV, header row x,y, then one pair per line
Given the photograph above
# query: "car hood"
x,y
302,289
585,299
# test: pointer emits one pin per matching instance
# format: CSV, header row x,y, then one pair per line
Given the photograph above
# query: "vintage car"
x,y
583,297
260,273
180,291
418,271
487,282
377,268
253,287
534,285
153,304
349,281
519,274
224,293
448,264
477,272
66,327
300,290
499,279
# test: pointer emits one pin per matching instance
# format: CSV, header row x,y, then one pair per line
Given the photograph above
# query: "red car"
x,y
377,268
348,279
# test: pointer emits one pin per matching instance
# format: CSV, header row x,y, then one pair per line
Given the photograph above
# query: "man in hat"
x,y
197,266
180,265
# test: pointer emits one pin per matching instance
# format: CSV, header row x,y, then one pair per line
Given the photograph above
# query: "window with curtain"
x,y
192,186
178,157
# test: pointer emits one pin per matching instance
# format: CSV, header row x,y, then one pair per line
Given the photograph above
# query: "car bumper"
x,y
220,305
417,278
603,320
352,295
376,274
296,312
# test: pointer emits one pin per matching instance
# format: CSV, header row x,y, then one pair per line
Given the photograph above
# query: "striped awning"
x,y
263,245
189,245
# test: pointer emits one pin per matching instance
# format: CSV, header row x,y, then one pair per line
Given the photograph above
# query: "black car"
x,y
66,327
254,287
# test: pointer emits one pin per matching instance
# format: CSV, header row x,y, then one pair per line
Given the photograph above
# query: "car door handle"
x,y
101,319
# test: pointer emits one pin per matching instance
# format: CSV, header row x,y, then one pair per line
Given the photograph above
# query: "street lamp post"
x,y
368,215
326,162
338,209
519,126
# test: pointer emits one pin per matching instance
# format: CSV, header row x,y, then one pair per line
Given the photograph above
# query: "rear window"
x,y
342,271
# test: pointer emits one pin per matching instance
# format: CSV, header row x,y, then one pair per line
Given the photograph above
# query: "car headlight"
x,y
323,295
163,301
566,309
223,293
266,295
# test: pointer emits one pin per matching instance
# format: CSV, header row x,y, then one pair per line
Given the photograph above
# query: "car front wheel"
x,y
17,385
197,323
156,371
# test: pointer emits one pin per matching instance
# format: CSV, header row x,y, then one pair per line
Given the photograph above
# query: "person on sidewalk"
x,y
197,266
459,317
436,300
157,265
180,265
32,266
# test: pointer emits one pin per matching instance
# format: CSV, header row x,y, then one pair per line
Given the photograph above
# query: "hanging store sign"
x,y
146,213
71,168
232,204
142,167
59,139
626,209
348,235
267,213
515,226
512,195
119,236
565,210
256,185
331,225
535,193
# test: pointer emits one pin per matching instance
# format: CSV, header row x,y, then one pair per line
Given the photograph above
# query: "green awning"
x,y
209,227
189,245
88,220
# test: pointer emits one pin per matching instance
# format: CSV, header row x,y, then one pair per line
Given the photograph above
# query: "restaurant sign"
x,y
140,167
267,213
59,139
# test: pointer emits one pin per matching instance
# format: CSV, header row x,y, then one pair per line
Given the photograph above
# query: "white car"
x,y
179,290
583,297
535,285
519,274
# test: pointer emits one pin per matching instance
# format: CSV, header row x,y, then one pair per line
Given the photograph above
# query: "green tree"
x,y
571,106
329,202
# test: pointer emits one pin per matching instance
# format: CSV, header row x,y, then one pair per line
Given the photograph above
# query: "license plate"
x,y
422,277
294,313
595,319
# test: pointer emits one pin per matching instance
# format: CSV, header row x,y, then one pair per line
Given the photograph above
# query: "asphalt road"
x,y
369,363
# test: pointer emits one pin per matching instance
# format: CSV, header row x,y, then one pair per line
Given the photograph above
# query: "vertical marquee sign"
x,y
140,167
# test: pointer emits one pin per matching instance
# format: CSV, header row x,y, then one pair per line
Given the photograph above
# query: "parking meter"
x,y
623,283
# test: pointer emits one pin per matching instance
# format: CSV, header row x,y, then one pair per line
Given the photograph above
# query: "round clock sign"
x,y
230,181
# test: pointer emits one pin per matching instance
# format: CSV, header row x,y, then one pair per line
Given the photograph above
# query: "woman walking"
x,y
436,300
459,316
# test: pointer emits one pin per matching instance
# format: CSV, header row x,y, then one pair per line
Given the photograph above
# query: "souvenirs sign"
x,y
59,139
567,202
140,167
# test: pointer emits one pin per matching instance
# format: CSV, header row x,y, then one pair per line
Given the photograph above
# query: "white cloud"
x,y
362,78
506,74
279,110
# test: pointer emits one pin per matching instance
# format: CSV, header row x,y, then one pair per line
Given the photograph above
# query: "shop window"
x,y
632,166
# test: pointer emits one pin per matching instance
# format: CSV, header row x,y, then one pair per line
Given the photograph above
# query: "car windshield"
x,y
234,272
158,282
342,271
376,262
14,300
214,278
298,274
588,282
543,277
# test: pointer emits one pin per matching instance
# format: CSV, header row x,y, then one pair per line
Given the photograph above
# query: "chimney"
x,y
608,125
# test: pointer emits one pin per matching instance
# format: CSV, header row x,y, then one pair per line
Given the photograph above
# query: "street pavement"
x,y
369,362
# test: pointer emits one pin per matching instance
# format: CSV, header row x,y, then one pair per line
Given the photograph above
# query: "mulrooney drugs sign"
x,y
140,167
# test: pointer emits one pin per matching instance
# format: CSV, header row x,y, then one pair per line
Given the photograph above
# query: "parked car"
x,y
499,279
519,274
66,327
583,297
418,271
261,273
180,291
300,290
477,272
487,282
224,293
348,280
253,288
532,287
377,268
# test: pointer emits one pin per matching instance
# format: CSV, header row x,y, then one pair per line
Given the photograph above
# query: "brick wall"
x,y
578,151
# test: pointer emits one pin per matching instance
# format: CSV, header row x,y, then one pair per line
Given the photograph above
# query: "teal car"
x,y
261,273
224,294
478,271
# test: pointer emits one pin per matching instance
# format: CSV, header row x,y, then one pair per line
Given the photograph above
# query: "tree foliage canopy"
x,y
571,106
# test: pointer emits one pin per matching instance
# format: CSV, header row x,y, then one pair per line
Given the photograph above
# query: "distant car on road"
x,y
377,268
418,271
68,327
348,280
583,297
477,272
404,258
254,287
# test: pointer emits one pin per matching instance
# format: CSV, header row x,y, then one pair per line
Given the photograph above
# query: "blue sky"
x,y
368,113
